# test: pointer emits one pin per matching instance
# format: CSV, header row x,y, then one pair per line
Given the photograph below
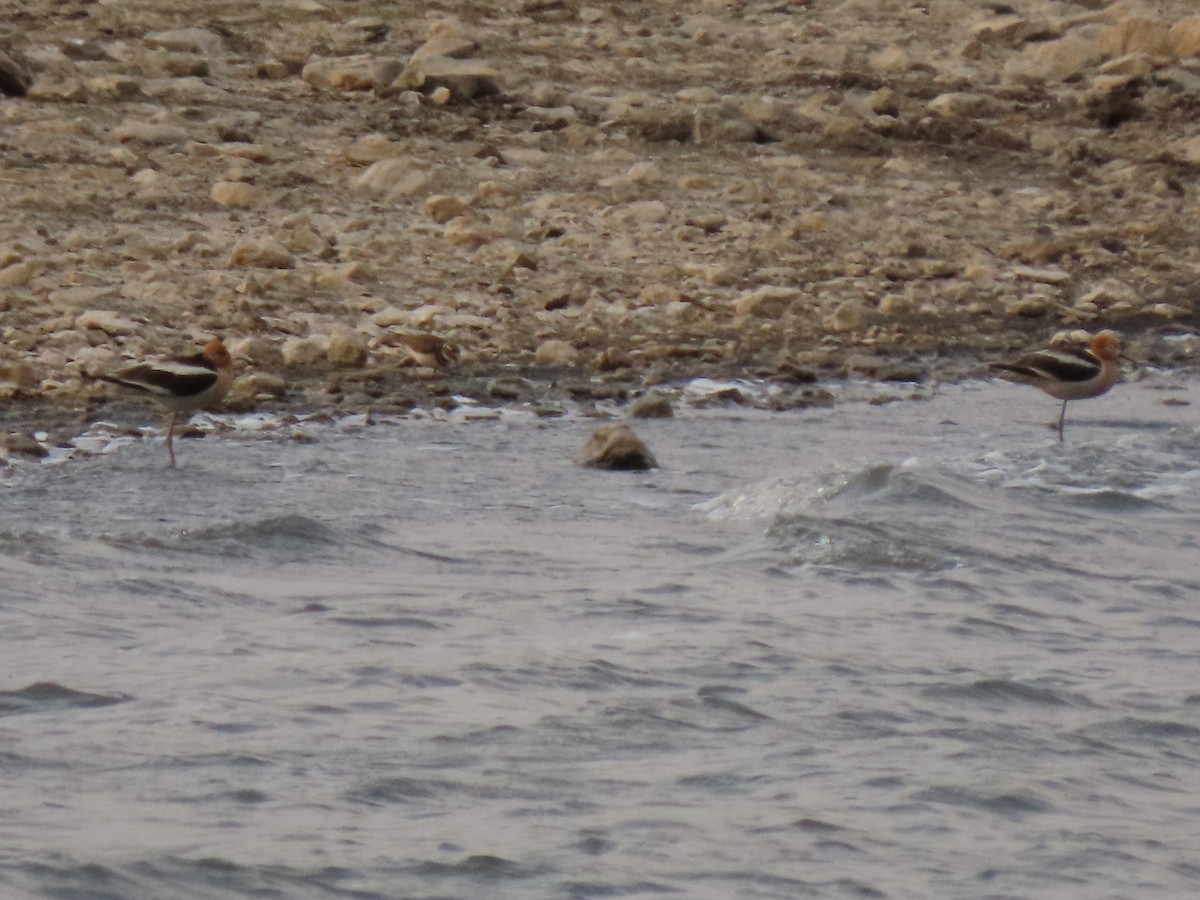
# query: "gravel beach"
x,y
585,200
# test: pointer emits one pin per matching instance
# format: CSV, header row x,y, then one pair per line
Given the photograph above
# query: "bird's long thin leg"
x,y
170,436
1061,416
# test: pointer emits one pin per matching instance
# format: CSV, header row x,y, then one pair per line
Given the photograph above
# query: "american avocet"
x,y
429,350
181,384
1069,373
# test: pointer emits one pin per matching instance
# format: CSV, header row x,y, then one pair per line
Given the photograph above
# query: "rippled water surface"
x,y
904,650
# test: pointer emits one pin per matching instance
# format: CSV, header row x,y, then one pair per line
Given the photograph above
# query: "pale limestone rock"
x,y
1135,35
961,105
238,194
1185,37
1029,307
181,65
392,316
114,87
1003,28
611,359
1045,276
465,79
615,447
449,42
556,353
186,40
651,406
257,386
261,253
719,123
769,301
643,212
371,148
700,95
18,274
891,60
660,293
152,134
356,272
306,351
1168,311
463,232
347,349
1134,65
106,320
393,177
1186,150
299,236
351,73
442,208
19,374
1055,60
850,316
54,87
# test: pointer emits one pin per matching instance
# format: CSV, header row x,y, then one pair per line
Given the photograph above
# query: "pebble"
x,y
459,79
304,352
238,194
768,301
393,177
654,405
261,253
155,134
200,41
106,320
351,73
557,354
347,349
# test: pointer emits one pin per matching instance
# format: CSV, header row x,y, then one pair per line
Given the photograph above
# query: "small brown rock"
x,y
611,359
395,176
347,350
23,443
21,374
615,447
651,406
58,88
106,320
1135,35
465,79
1031,307
152,134
442,208
351,73
261,253
556,354
16,77
186,40
237,194
768,301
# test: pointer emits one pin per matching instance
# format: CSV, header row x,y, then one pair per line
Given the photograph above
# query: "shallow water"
x,y
904,650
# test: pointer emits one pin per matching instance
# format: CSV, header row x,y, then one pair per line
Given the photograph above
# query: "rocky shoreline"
x,y
588,200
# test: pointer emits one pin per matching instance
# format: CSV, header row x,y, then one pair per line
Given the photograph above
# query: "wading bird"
x,y
1069,373
180,384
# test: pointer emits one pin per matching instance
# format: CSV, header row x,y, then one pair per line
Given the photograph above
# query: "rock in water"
x,y
615,447
651,406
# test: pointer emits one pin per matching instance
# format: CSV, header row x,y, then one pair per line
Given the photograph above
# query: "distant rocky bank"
x,y
586,199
